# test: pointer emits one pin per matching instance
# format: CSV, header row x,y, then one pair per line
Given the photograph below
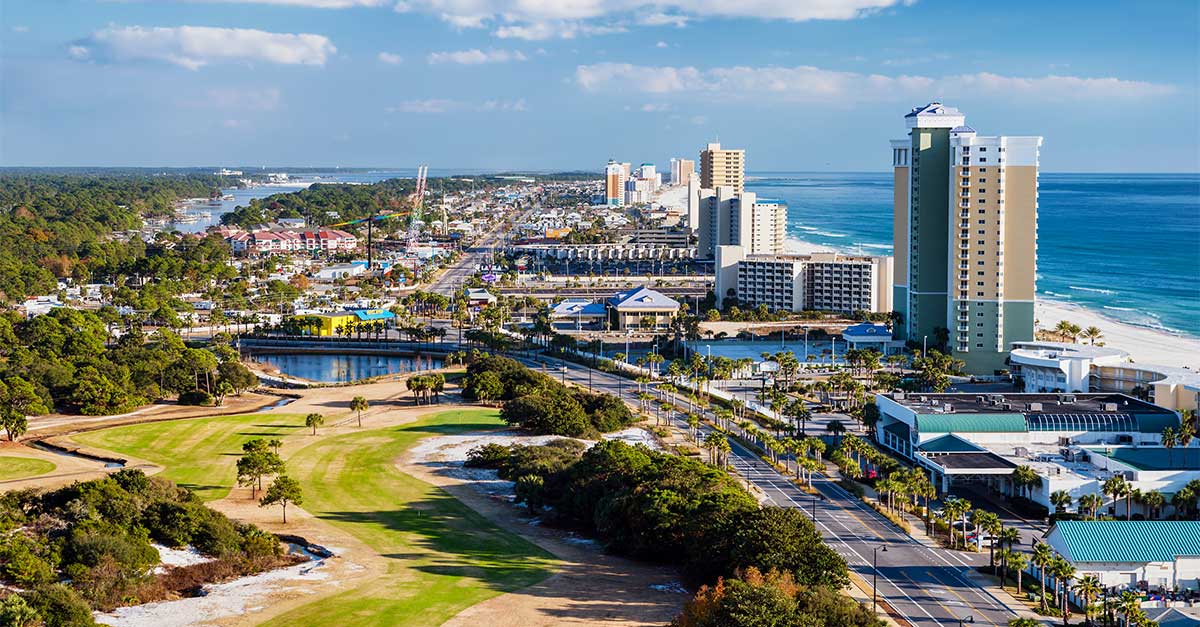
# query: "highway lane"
x,y
925,586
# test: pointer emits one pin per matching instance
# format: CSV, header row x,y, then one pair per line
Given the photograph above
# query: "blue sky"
x,y
559,84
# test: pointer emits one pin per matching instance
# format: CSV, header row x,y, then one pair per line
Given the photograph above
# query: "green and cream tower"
x,y
965,235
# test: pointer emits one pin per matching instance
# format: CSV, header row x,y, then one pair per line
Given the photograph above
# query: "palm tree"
x,y
359,404
1153,500
957,508
1093,334
1042,558
1170,438
1025,477
1091,503
1017,562
1061,500
1063,573
836,428
1117,487
1088,588
313,421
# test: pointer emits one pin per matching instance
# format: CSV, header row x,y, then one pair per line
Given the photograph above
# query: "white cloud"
x,y
233,123
812,84
658,107
20,29
390,58
566,19
440,105
193,47
661,44
476,56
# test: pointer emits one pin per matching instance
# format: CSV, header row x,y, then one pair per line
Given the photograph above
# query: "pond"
x,y
340,368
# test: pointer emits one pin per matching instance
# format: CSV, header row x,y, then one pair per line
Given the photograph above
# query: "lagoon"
x,y
341,368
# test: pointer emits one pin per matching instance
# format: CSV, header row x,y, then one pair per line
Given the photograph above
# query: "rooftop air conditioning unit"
x,y
899,396
947,408
1035,407
1110,407
1021,451
1068,398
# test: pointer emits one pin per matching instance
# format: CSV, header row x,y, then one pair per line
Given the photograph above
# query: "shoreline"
x,y
1144,344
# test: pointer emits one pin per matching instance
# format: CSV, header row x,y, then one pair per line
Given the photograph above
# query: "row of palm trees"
x,y
1068,330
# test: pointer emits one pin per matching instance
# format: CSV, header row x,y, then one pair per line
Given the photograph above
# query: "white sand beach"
x,y
1146,346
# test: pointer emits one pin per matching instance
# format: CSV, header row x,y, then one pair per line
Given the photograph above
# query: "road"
x,y
924,585
453,277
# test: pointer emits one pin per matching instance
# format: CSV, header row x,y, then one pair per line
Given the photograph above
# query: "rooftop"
x,y
1132,541
1153,458
643,298
1025,403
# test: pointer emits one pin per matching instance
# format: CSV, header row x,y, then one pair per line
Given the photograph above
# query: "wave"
x,y
1119,308
828,234
879,246
807,228
1092,289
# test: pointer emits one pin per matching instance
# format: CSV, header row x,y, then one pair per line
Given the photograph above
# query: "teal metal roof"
x,y
1135,541
1155,423
949,443
373,314
971,423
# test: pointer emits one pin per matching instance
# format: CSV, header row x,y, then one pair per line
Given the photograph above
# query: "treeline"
x,y
332,203
537,403
66,358
88,547
676,510
58,225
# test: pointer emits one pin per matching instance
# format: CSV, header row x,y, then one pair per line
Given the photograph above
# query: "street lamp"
x,y
875,576
814,506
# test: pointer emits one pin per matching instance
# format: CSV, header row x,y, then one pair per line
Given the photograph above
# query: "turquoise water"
x,y
1124,245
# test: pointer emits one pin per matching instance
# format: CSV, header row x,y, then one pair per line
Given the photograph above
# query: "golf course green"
x,y
198,453
442,557
14,467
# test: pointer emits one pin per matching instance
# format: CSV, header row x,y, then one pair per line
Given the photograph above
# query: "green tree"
x,y
359,404
17,401
314,420
283,491
256,464
16,612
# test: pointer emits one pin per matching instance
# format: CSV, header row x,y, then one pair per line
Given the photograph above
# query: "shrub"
x,y
60,606
22,564
487,456
196,397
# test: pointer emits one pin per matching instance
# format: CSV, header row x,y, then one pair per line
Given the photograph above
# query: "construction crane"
x,y
417,202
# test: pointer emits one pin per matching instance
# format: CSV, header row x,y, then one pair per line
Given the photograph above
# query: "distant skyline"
x,y
802,85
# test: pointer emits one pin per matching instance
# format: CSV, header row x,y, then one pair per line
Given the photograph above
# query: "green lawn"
x,y
199,453
443,557
13,467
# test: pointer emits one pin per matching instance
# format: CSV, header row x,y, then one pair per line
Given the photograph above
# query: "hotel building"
x,y
722,168
615,176
729,218
682,171
965,234
816,282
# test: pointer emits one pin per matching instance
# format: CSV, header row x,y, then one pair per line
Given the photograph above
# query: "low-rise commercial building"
x,y
820,281
336,323
1066,367
641,308
1146,554
279,241
1074,442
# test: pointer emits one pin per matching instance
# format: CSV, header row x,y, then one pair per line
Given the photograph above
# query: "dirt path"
x,y
592,589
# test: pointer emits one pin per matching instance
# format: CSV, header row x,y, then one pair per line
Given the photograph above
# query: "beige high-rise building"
x,y
722,168
965,229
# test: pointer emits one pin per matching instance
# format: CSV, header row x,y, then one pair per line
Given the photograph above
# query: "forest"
x,y
56,226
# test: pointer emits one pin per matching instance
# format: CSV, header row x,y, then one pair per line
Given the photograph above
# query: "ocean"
x,y
1126,246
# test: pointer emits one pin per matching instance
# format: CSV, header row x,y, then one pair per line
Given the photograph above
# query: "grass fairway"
x,y
442,556
199,453
14,467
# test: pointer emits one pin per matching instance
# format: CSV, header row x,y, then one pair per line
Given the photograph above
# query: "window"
x,y
979,284
983,160
983,221
983,149
979,346
979,293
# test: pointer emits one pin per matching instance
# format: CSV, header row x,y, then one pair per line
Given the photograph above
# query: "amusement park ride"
x,y
417,198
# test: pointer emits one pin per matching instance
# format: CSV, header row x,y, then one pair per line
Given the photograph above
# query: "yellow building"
x,y
722,168
329,324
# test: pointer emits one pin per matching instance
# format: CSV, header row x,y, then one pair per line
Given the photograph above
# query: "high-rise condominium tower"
x,y
965,235
615,175
722,168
